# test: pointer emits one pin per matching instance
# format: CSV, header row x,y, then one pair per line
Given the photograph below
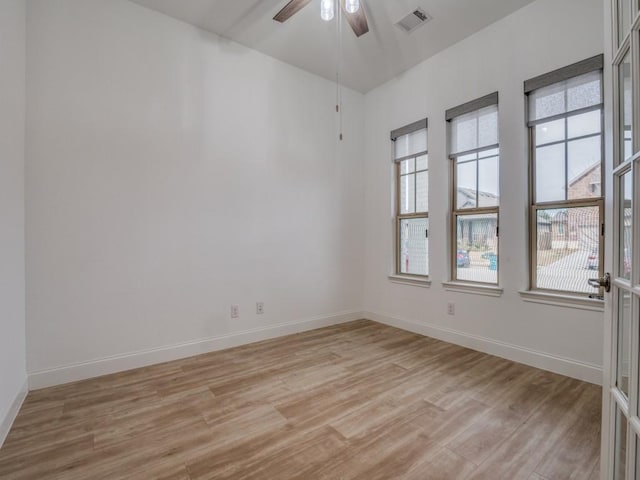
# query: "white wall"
x,y
534,40
170,174
12,125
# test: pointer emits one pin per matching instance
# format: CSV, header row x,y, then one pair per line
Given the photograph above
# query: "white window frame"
x,y
398,215
456,284
589,65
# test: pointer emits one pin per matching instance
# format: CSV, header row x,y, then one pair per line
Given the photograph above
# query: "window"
x,y
475,157
412,202
566,149
625,92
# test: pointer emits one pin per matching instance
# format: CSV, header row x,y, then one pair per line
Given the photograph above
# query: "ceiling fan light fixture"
x,y
327,10
352,6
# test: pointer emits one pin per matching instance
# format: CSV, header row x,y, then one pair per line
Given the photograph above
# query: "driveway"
x,y
568,273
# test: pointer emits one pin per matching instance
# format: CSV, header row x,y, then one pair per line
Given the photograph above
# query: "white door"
x,y
621,425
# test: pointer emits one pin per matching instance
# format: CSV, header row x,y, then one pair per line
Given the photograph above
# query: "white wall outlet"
x,y
259,308
235,311
451,308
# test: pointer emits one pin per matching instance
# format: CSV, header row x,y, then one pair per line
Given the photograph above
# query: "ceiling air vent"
x,y
413,20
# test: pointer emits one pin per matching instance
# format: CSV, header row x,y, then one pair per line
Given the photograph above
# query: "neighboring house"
x,y
573,228
587,184
477,231
467,198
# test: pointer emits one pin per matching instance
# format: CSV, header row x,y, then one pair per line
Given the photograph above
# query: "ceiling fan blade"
x,y
357,21
290,9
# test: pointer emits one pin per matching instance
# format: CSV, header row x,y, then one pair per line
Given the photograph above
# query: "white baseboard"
x,y
71,373
545,361
10,417
119,363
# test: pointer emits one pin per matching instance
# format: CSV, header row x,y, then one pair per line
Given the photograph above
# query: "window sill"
x,y
423,282
474,289
559,300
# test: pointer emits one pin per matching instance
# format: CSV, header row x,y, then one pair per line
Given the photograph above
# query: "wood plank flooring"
x,y
357,401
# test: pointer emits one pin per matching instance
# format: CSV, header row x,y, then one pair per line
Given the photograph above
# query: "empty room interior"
x,y
319,239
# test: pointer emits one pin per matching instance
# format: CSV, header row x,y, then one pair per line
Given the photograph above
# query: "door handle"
x,y
603,281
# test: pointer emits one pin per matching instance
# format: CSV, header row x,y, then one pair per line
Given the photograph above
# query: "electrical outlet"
x,y
235,311
259,308
451,308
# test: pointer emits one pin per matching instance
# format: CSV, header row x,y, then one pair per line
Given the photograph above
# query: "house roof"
x,y
467,197
588,171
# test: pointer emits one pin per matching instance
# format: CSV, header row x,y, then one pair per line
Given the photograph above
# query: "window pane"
x,y
637,458
624,339
585,124
464,133
477,248
620,442
626,107
422,192
494,152
488,187
407,194
628,144
547,102
466,158
474,130
487,127
466,179
414,258
624,19
411,143
584,91
422,163
567,252
550,173
625,225
407,166
584,164
567,96
550,132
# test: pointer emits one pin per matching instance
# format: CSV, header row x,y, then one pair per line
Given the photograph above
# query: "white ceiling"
x,y
310,43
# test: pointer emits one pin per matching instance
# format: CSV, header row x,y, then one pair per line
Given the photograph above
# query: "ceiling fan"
x,y
351,9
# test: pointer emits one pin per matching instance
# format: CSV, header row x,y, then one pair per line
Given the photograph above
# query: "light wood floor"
x,y
355,401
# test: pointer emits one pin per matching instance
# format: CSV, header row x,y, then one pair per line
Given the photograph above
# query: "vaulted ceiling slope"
x,y
308,42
